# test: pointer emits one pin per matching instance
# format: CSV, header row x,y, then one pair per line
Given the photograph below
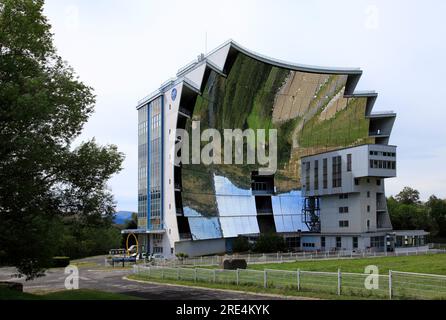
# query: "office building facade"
x,y
333,155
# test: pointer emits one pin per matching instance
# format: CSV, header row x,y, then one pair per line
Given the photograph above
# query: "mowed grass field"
x,y
427,263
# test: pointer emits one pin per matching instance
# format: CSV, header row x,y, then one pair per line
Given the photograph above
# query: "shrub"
x,y
241,244
269,243
234,264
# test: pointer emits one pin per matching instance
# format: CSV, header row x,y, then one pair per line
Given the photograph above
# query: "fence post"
x,y
178,273
390,285
215,276
249,257
162,273
195,274
265,279
277,256
237,274
150,268
339,282
298,279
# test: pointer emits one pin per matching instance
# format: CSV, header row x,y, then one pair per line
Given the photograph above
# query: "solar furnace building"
x,y
333,156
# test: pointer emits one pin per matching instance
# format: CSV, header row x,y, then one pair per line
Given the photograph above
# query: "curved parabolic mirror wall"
x,y
311,115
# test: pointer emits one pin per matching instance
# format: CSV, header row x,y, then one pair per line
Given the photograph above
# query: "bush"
x,y
241,244
234,264
181,255
269,243
60,262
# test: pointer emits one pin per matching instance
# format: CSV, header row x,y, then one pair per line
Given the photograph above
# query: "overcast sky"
x,y
126,49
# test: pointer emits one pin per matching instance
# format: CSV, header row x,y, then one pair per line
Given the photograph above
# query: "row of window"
x,y
339,242
382,164
383,153
375,242
336,172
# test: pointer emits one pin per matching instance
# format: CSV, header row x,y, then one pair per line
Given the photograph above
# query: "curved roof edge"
x,y
289,65
203,59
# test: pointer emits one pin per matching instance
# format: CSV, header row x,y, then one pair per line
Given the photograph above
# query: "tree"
x,y
408,196
43,181
437,211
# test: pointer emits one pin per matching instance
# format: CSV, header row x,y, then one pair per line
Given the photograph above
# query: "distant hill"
x,y
122,216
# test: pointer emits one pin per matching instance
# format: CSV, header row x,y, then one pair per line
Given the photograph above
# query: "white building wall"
x,y
170,122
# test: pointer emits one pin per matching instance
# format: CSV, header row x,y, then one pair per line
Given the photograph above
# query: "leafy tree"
x,y
437,211
408,196
44,182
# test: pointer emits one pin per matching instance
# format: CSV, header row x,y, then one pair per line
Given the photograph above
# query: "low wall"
x,y
411,249
201,247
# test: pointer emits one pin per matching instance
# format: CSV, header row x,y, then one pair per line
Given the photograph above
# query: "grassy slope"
x,y
432,263
7,294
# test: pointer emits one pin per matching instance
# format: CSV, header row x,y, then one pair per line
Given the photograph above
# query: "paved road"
x,y
93,276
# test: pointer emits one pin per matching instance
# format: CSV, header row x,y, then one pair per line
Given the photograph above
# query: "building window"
x,y
343,224
368,194
349,162
343,209
368,208
322,242
308,245
307,176
316,174
343,196
292,242
157,249
171,250
325,173
356,181
337,172
338,242
378,182
377,242
368,224
355,242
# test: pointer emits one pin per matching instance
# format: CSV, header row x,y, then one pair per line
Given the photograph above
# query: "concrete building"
x,y
332,158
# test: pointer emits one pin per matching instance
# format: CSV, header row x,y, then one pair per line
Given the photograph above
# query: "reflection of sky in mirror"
x,y
202,227
238,215
223,186
287,209
237,208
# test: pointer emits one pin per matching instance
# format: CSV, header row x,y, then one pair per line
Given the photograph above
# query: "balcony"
x,y
185,236
379,133
381,206
179,211
185,112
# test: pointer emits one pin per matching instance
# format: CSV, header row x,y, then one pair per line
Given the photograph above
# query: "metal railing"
x,y
278,257
395,285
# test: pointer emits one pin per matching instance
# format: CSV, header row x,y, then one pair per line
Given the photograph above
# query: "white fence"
x,y
395,285
289,256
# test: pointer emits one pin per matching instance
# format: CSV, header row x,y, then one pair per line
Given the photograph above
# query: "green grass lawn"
x,y
248,288
8,294
429,263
